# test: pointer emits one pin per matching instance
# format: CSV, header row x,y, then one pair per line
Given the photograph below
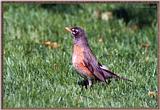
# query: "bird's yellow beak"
x,y
68,29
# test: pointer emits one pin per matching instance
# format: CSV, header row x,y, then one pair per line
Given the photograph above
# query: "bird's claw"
x,y
86,83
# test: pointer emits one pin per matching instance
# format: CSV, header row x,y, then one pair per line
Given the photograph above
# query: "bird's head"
x,y
76,32
79,36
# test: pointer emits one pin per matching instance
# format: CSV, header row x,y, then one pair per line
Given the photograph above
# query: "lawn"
x,y
38,75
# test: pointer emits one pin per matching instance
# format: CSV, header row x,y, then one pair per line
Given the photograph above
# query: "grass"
x,y
37,76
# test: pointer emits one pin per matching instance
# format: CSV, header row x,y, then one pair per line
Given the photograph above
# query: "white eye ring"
x,y
73,32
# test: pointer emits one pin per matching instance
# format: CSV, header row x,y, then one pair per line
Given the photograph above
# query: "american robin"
x,y
85,62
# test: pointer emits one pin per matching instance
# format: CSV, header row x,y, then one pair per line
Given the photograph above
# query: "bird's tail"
x,y
123,78
108,74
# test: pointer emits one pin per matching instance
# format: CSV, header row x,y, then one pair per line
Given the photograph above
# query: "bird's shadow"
x,y
84,83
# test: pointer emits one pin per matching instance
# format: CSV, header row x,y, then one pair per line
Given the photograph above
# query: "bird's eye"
x,y
75,31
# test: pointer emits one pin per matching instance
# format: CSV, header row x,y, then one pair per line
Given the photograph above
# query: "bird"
x,y
85,62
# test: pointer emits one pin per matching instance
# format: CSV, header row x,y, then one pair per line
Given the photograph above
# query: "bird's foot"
x,y
83,82
86,83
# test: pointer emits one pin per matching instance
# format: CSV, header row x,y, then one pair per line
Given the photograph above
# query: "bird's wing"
x,y
97,69
91,63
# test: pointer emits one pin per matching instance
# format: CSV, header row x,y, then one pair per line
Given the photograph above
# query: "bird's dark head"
x,y
76,32
79,36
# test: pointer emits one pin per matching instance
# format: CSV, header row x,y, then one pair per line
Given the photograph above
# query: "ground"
x,y
37,69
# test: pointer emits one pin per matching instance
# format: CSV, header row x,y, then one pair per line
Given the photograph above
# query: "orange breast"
x,y
77,60
77,54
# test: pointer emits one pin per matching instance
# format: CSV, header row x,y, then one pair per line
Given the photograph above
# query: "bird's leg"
x,y
89,82
83,82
